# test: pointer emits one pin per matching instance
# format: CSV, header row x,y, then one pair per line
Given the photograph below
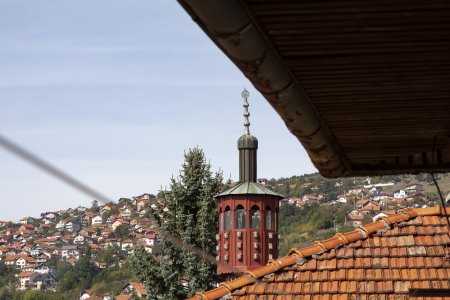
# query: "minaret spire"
x,y
247,213
245,95
247,145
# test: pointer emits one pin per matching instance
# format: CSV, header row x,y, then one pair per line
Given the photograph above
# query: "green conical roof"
x,y
249,187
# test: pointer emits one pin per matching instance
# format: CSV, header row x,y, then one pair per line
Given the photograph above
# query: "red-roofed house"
x,y
135,287
26,278
402,256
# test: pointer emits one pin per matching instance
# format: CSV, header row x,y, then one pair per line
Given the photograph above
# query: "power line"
x,y
52,170
78,185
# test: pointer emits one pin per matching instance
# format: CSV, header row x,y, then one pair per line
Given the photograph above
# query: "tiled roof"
x,y
381,260
25,274
249,188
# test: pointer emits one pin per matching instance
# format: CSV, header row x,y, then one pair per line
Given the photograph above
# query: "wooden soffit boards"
x,y
364,85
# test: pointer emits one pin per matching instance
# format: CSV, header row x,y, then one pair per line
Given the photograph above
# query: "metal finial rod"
x,y
245,95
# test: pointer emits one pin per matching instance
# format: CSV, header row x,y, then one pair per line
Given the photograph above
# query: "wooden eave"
x,y
363,85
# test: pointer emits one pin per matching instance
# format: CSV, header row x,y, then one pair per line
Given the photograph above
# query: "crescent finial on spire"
x,y
245,94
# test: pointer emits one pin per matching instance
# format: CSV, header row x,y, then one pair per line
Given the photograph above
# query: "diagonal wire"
x,y
50,169
78,185
83,188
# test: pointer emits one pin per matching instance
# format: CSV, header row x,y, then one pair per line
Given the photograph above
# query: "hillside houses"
x,y
365,200
35,280
311,199
33,245
125,211
297,202
399,194
414,188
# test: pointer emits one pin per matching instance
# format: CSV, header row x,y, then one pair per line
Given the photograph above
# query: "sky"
x,y
113,93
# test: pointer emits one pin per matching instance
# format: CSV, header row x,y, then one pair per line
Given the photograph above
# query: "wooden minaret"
x,y
248,213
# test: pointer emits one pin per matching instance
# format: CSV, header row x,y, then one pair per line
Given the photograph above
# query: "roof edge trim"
x,y
230,27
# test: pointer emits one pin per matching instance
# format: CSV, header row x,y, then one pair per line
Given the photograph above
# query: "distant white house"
x,y
47,221
310,199
125,212
46,280
379,216
127,245
72,226
97,220
50,215
414,188
25,279
400,194
79,239
355,191
35,250
353,220
342,199
42,268
70,251
149,239
113,242
380,197
26,220
60,225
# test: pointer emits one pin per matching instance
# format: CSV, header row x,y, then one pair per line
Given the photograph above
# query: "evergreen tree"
x,y
187,217
95,208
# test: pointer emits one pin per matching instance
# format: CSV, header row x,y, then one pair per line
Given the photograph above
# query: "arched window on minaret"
x,y
255,217
220,220
227,217
268,219
239,217
276,220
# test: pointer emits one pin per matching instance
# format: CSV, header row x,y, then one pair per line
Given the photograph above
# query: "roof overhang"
x,y
364,86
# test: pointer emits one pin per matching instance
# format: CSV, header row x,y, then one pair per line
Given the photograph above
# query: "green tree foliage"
x,y
301,226
188,214
78,276
6,293
120,232
124,201
99,288
6,275
95,208
107,255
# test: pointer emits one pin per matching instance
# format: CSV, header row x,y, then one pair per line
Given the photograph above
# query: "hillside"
x,y
297,186
88,248
301,224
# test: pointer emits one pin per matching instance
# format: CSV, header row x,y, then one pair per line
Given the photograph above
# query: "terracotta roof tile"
x,y
445,284
418,262
310,265
345,253
445,239
417,251
316,288
303,276
402,286
435,284
441,274
347,263
385,265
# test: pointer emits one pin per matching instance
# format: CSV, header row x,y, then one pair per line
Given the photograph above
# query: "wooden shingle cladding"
x,y
363,85
382,260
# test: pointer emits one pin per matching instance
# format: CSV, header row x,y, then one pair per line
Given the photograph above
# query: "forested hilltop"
x,y
315,207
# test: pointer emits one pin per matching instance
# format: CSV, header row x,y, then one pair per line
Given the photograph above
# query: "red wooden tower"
x,y
248,214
